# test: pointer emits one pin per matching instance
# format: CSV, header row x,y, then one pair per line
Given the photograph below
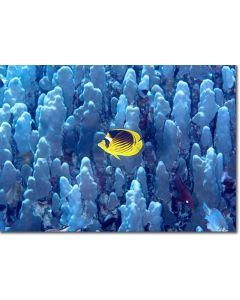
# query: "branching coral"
x,y
55,177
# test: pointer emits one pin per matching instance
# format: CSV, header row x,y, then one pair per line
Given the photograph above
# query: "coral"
x,y
170,146
150,71
223,141
181,113
219,96
196,150
90,93
5,143
64,78
200,72
23,132
56,204
216,221
69,135
113,201
98,77
76,209
228,78
119,182
142,179
89,123
42,150
87,186
30,192
55,178
121,112
45,83
155,218
56,168
168,71
134,213
26,171
65,187
132,118
161,110
17,110
210,186
206,173
28,220
130,85
143,86
10,172
49,126
206,138
5,113
78,73
89,191
162,183
42,176
15,92
118,72
207,106
65,170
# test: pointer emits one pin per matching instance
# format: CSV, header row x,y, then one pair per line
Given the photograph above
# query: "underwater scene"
x,y
118,148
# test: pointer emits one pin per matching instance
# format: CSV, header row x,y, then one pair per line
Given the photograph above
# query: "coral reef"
x,y
55,178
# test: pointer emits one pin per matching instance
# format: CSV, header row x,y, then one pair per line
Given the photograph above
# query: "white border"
x,y
118,266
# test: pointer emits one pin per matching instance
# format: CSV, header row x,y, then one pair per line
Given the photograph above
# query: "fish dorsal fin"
x,y
121,136
114,132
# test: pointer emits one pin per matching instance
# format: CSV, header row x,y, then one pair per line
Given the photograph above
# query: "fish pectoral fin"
x,y
115,155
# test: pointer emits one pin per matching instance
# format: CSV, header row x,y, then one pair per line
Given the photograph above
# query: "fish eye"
x,y
107,143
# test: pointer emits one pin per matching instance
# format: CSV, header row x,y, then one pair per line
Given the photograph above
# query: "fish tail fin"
x,y
115,155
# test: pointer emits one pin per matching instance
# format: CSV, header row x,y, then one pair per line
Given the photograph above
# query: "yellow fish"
x,y
121,142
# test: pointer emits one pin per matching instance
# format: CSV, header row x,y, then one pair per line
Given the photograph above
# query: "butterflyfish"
x,y
122,142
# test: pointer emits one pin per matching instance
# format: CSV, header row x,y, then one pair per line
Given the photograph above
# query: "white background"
x,y
119,266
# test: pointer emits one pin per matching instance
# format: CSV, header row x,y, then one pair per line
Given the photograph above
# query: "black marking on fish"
x,y
113,133
107,143
145,92
122,144
123,137
122,147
